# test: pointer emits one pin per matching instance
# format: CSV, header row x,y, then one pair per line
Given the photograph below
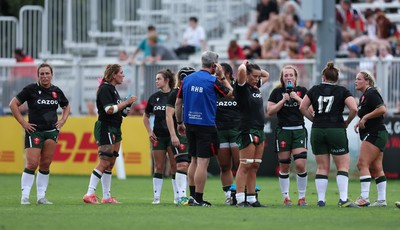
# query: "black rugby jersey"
x,y
328,103
171,101
107,95
369,101
289,114
42,104
228,113
172,98
156,105
251,106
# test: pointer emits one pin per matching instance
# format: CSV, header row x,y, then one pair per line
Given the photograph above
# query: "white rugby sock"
x,y
106,184
26,183
381,187
181,183
94,180
157,186
240,197
321,185
365,182
342,182
301,179
42,181
284,183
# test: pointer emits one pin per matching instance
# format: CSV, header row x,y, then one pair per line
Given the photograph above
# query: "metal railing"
x,y
79,80
8,33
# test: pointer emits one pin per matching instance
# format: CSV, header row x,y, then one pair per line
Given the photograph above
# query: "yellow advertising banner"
x,y
76,151
11,146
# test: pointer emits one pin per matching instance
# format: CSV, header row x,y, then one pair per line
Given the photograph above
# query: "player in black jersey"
x,y
248,96
159,136
227,121
107,132
41,130
179,143
374,136
290,135
328,133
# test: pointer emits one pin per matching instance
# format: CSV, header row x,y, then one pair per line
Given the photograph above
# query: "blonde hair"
x,y
368,76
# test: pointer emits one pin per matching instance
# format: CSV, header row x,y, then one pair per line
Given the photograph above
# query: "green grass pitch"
x,y
137,212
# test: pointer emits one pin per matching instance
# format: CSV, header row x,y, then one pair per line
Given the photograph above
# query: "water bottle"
x,y
125,111
289,89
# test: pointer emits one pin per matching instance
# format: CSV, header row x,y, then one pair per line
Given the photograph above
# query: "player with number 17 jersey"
x,y
328,101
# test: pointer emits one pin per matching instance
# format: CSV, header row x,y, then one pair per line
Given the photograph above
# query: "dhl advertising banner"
x,y
76,151
11,146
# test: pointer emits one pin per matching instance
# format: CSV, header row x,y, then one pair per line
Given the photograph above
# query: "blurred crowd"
x,y
277,31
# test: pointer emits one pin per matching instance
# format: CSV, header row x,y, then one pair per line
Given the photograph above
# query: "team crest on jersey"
x,y
256,139
40,92
157,99
54,94
282,144
182,147
155,143
298,93
36,140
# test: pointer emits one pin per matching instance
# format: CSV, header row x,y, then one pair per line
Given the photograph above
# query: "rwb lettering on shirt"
x,y
196,89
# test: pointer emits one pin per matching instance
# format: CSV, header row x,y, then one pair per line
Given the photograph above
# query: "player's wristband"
x,y
222,78
179,122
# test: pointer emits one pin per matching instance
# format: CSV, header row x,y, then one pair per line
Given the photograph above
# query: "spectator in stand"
x,y
293,8
144,46
235,52
292,52
271,48
194,39
159,52
386,33
370,24
385,52
265,9
23,71
290,32
91,109
370,58
353,51
22,74
308,45
309,27
350,19
253,51
123,57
